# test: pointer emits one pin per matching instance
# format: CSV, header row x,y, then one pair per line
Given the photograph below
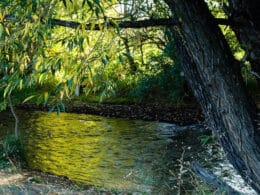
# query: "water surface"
x,y
125,155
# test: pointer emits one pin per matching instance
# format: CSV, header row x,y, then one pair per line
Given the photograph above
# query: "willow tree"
x,y
209,66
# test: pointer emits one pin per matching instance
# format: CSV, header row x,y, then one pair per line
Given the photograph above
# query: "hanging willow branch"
x,y
16,128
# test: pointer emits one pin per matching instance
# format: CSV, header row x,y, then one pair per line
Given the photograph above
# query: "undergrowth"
x,y
11,153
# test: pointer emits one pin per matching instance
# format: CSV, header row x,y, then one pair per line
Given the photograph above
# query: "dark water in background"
x,y
125,155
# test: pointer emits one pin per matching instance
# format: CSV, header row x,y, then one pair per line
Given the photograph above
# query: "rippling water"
x,y
125,155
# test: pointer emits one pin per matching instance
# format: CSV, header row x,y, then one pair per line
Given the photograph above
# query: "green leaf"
x,y
69,82
42,78
34,5
90,4
128,55
58,88
97,12
7,31
1,30
62,107
53,71
70,45
46,96
97,2
205,139
21,84
3,105
59,63
64,3
81,42
7,90
51,109
121,59
29,98
102,96
118,29
83,3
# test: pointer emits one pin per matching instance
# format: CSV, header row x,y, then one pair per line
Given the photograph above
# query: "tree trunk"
x,y
216,81
246,14
131,61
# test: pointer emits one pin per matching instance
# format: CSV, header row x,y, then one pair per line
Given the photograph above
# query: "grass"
x,y
11,153
111,100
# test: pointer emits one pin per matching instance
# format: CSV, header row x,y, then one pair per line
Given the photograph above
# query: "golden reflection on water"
x,y
112,153
125,155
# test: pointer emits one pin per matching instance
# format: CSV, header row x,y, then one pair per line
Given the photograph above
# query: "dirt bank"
x,y
180,115
34,183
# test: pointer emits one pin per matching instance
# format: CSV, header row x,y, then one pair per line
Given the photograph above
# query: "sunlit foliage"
x,y
35,53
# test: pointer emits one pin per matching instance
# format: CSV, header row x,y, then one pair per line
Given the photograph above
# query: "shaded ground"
x,y
35,183
182,115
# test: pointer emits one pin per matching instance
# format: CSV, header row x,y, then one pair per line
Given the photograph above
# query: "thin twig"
x,y
16,128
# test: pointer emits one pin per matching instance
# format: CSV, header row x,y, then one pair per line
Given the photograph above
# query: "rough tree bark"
x,y
216,81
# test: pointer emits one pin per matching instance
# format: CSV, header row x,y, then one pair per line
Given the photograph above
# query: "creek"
x,y
113,153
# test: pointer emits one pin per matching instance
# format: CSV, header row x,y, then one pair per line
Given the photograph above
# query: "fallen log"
x,y
212,180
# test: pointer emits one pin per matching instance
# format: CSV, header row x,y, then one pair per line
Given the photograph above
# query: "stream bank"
x,y
181,115
31,182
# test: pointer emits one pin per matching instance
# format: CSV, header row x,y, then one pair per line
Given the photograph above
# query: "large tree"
x,y
215,78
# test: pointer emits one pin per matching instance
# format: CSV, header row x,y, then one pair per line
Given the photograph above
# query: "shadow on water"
x,y
125,155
